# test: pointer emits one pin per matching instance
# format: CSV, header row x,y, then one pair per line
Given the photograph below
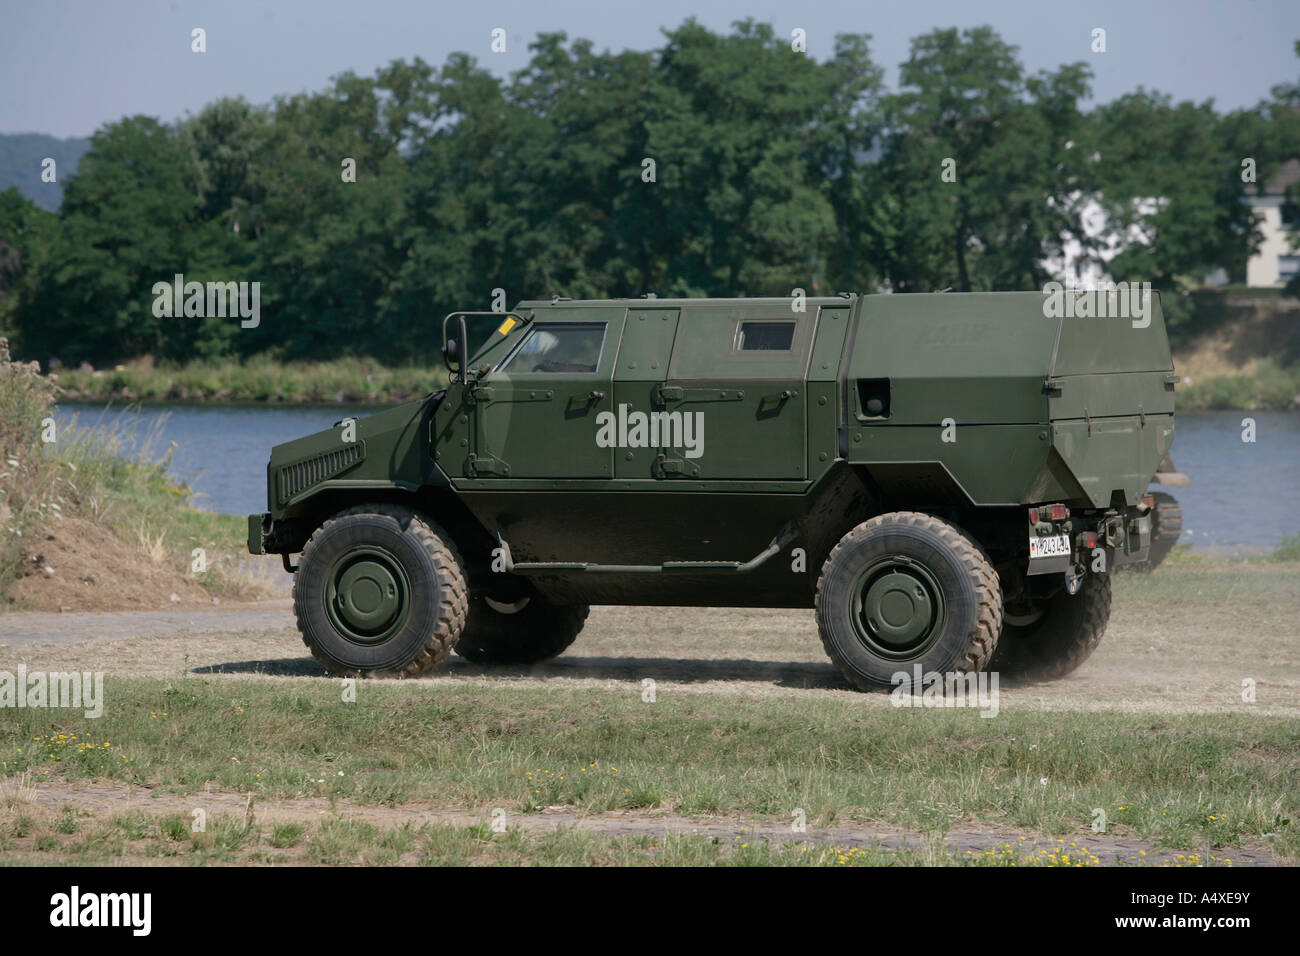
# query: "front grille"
x,y
301,475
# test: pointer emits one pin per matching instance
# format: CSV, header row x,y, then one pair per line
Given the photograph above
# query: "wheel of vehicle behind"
x,y
1166,527
1059,635
379,591
907,589
527,631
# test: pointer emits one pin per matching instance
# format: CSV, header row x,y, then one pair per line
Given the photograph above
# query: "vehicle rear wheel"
x,y
1166,526
907,589
379,592
527,631
1060,634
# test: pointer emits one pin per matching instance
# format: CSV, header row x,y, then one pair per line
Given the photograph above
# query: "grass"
x,y
1177,781
33,839
27,476
341,381
1288,549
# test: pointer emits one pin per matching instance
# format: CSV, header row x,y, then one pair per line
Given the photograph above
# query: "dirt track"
x,y
1186,656
111,798
41,627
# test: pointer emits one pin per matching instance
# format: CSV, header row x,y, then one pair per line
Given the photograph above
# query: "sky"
x,y
69,66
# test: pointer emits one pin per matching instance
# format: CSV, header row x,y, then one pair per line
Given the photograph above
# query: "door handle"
x,y
596,395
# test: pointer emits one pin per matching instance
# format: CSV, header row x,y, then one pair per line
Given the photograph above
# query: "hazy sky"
x,y
67,67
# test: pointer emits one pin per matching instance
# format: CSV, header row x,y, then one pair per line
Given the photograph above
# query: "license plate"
x,y
1051,546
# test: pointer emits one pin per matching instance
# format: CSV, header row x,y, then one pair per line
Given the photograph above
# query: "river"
x,y
1242,494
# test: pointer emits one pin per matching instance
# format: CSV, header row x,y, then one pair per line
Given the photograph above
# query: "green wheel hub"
x,y
899,609
368,595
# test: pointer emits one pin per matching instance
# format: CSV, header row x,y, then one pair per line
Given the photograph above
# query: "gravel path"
x,y
38,627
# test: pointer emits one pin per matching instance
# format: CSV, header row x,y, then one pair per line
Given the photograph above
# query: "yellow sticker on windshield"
x,y
506,326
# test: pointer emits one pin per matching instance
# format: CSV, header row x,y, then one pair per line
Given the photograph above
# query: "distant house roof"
x,y
1286,175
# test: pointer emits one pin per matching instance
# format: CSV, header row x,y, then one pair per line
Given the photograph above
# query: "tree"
x,y
128,220
979,174
25,233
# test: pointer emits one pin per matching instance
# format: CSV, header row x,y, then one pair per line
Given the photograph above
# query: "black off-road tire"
x,y
431,573
1058,642
536,632
950,568
1166,526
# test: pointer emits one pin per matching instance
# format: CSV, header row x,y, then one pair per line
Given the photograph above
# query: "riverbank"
x,y
1265,386
1239,352
1259,384
341,381
93,520
1219,374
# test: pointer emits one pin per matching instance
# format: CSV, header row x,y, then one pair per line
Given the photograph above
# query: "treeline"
x,y
713,165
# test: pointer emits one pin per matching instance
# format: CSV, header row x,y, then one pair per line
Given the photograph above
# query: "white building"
x,y
1078,269
1276,261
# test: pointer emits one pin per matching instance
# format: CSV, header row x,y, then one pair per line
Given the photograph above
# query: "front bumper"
x,y
257,527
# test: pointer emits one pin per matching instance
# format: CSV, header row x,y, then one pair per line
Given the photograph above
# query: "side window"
x,y
765,337
758,340
557,347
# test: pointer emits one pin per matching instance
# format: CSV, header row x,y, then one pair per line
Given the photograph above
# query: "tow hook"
x,y
1073,579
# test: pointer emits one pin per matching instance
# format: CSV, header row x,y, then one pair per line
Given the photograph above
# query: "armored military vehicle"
x,y
947,479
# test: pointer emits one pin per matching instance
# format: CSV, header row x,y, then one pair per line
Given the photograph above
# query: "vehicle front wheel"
x,y
379,592
907,589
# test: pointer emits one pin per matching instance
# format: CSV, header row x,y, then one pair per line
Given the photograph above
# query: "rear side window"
x,y
557,347
765,337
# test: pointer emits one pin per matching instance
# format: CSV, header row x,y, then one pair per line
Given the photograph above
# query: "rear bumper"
x,y
1097,541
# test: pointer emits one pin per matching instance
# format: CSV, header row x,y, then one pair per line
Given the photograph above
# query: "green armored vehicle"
x,y
947,479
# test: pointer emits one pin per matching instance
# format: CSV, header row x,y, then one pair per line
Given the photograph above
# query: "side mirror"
x,y
453,350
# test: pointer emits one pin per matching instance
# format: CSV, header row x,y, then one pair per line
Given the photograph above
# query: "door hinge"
x,y
485,394
664,466
480,465
663,394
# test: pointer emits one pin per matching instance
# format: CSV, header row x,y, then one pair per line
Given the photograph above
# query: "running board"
x,y
784,537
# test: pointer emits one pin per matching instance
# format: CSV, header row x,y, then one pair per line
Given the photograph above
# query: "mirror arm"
x,y
464,349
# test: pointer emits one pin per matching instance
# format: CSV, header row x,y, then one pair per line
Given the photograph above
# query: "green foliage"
x,y
1288,549
715,164
1006,143
1267,385
25,230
